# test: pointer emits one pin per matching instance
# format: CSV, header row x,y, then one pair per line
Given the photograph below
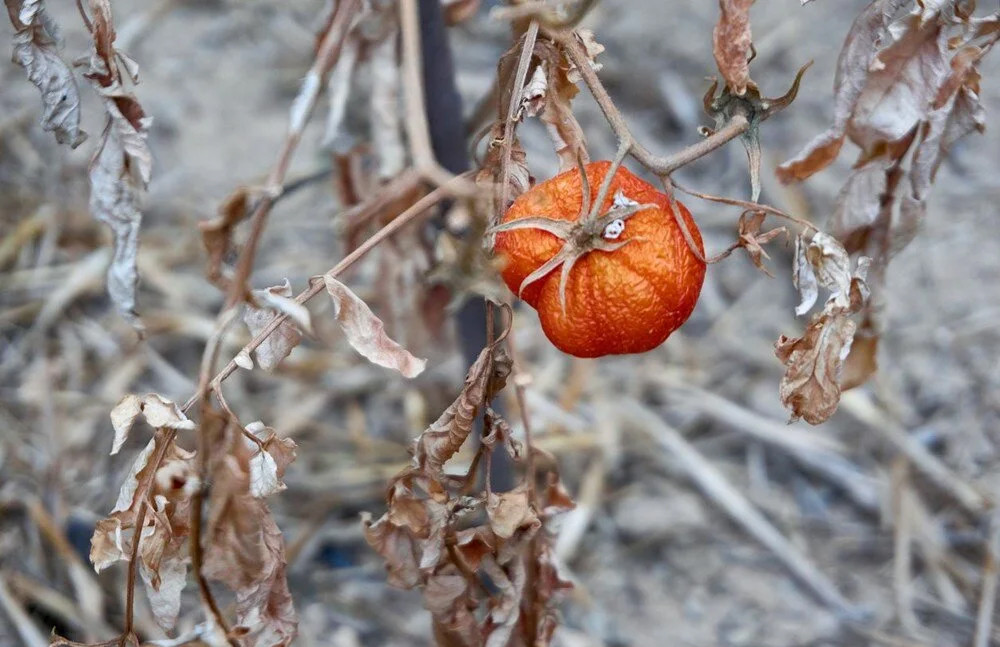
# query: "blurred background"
x,y
655,561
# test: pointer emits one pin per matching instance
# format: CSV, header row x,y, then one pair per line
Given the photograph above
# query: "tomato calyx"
x,y
591,231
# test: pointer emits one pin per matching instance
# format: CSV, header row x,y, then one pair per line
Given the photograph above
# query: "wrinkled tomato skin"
x,y
626,301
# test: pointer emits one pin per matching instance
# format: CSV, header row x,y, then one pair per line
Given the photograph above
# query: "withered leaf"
x,y
868,34
902,83
280,343
268,463
752,240
245,550
217,233
397,547
36,40
366,333
167,492
511,511
121,167
505,610
731,44
444,437
549,93
811,387
157,411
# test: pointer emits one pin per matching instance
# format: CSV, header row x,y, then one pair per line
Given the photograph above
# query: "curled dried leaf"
x,y
813,363
166,490
217,233
280,343
121,167
36,41
868,34
366,333
244,547
157,411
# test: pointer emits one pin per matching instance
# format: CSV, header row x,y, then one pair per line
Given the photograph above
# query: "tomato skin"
x,y
624,301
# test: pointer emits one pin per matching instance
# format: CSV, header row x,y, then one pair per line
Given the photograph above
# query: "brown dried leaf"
x,y
862,361
217,233
168,492
245,550
902,82
511,511
280,343
505,610
731,44
810,387
366,333
444,437
397,547
267,465
36,40
157,411
121,167
860,200
549,93
752,240
448,598
811,384
868,34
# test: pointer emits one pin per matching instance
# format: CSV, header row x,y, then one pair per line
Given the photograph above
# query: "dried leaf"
x,y
280,343
862,361
121,167
860,200
868,34
804,278
811,384
245,550
366,333
511,511
167,491
752,240
504,610
157,411
397,547
217,233
267,465
445,436
731,44
36,40
549,94
449,600
901,85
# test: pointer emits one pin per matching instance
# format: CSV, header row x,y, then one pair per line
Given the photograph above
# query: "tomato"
x,y
611,280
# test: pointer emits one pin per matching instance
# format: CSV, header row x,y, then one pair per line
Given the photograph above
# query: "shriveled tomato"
x,y
606,279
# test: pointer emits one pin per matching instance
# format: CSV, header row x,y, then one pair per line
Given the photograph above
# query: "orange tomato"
x,y
627,278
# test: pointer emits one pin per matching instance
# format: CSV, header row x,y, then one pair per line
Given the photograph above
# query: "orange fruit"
x,y
627,278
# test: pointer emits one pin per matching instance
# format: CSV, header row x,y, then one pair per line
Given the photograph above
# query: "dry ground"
x,y
657,563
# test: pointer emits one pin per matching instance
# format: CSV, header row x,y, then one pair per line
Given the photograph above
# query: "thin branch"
x,y
413,213
753,206
507,150
662,166
302,108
